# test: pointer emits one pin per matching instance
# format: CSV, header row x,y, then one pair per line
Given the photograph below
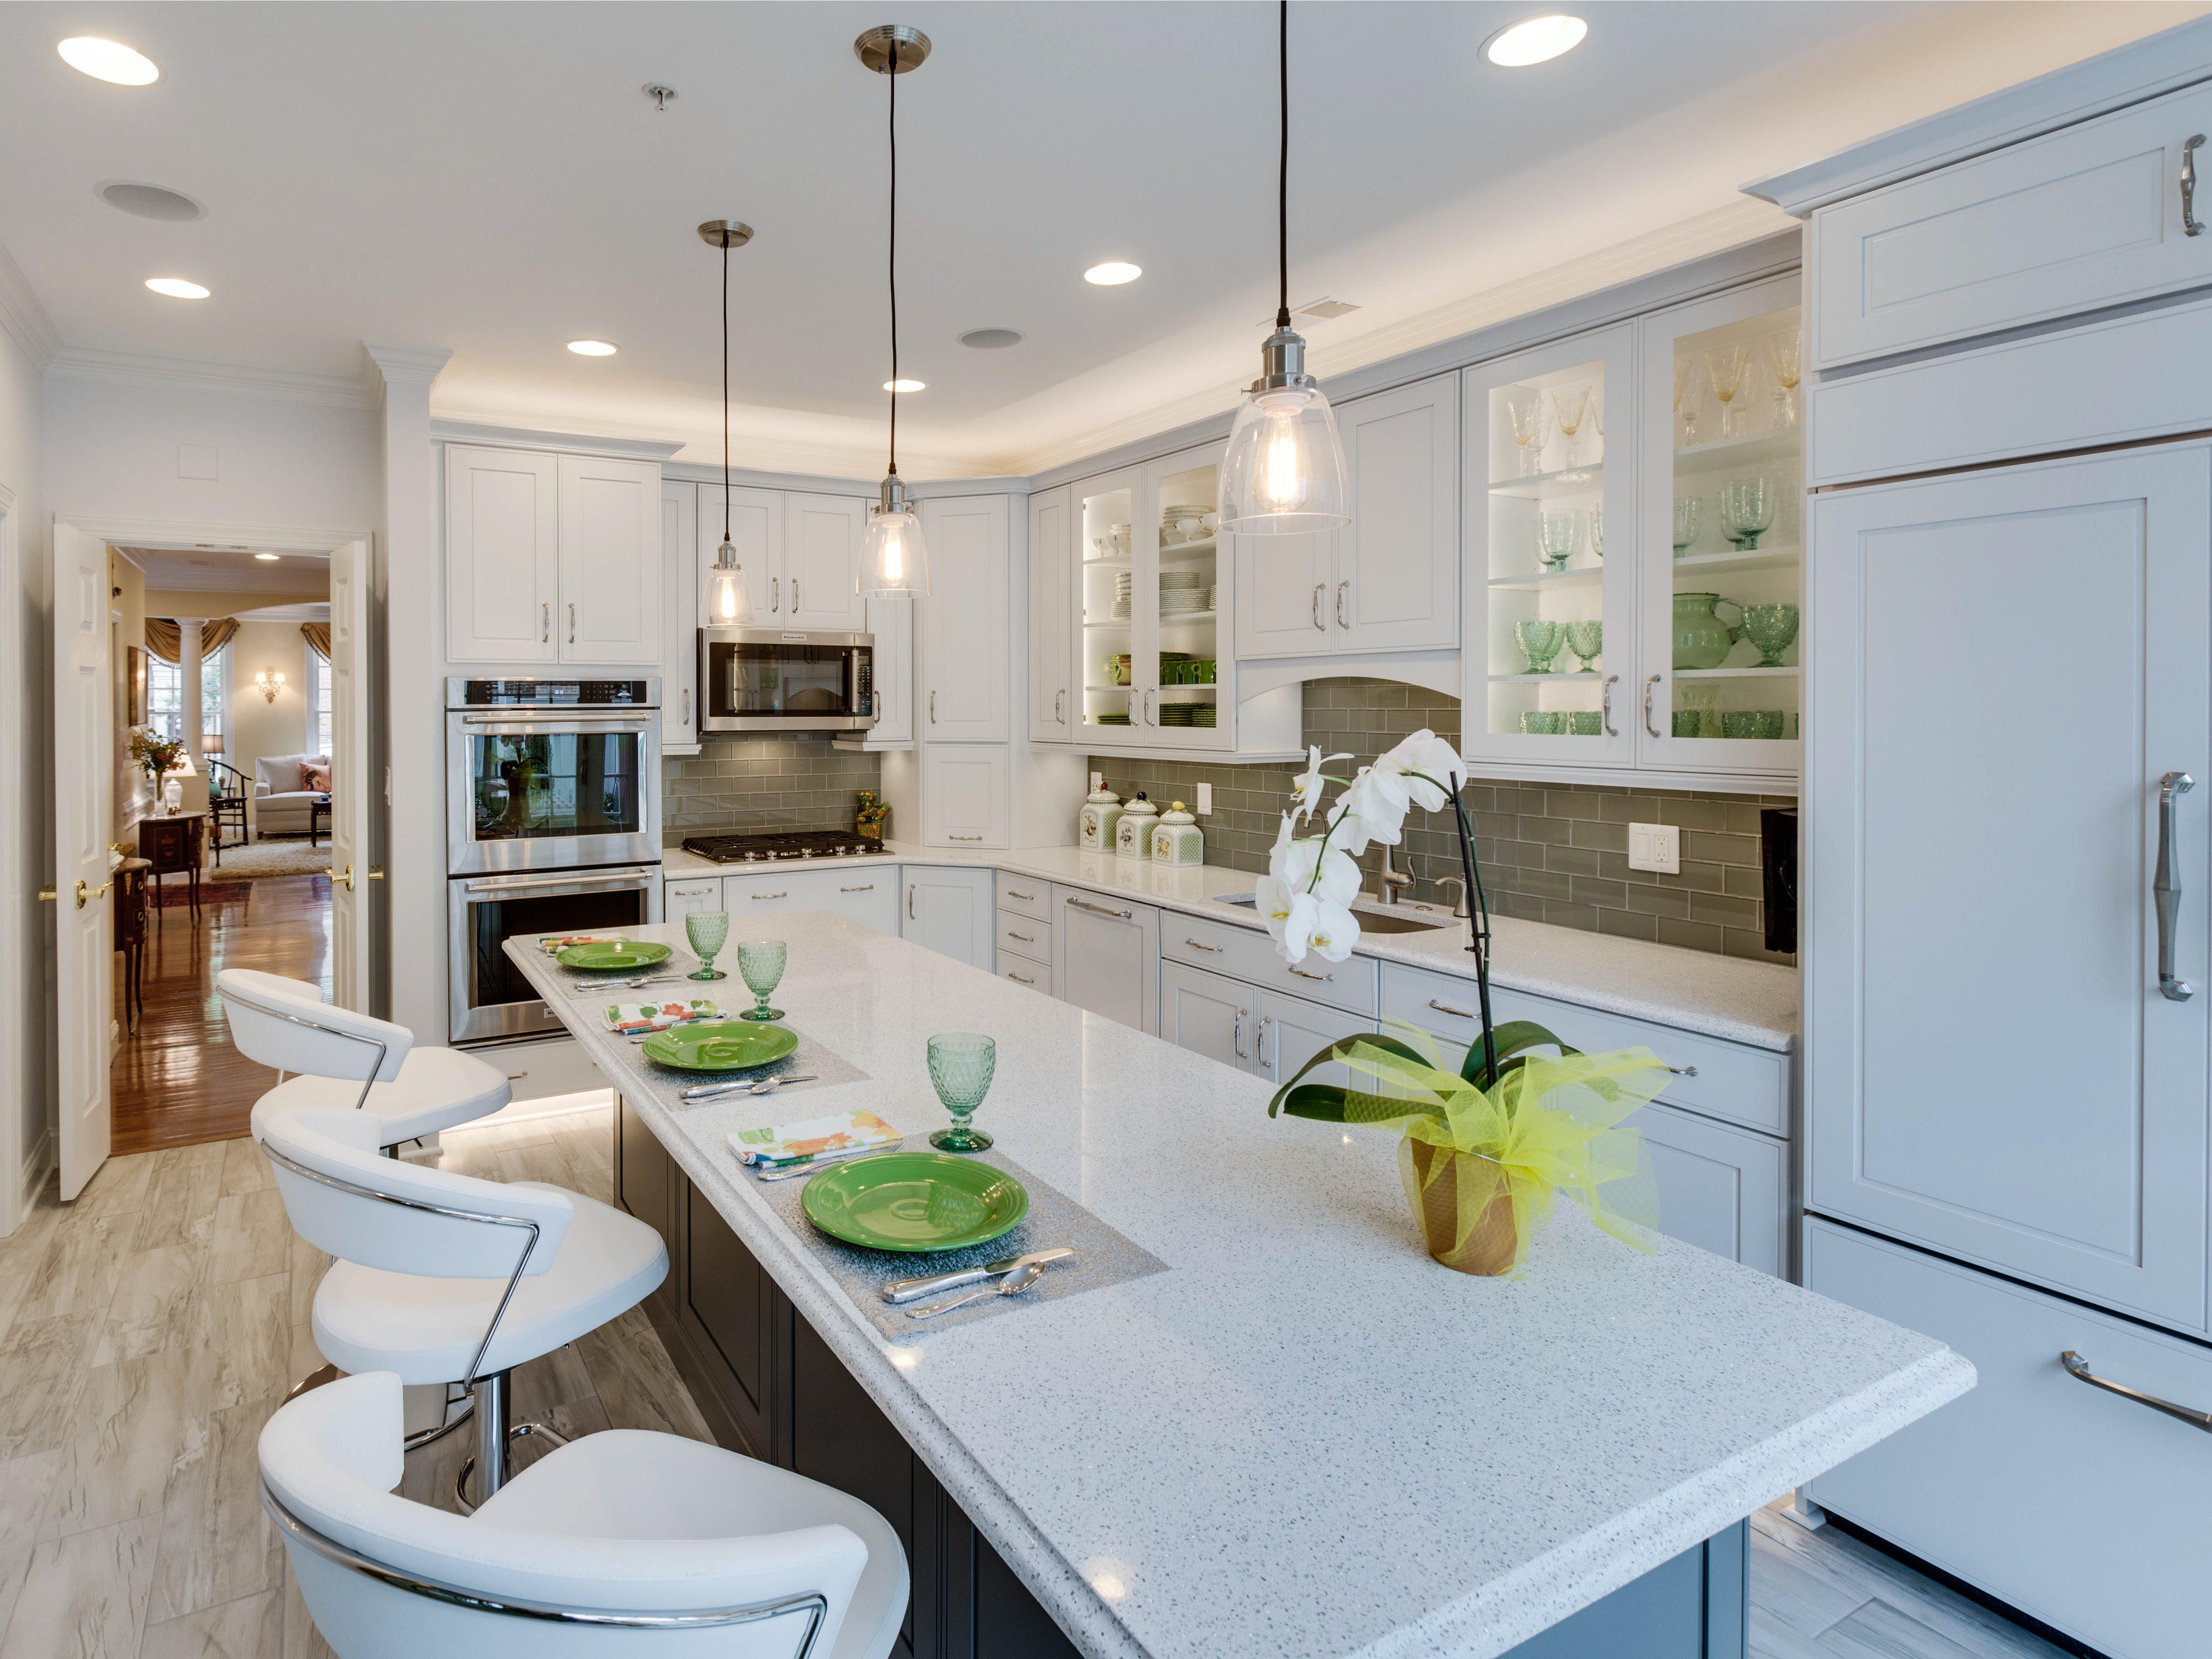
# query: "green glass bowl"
x,y
608,955
722,1045
914,1201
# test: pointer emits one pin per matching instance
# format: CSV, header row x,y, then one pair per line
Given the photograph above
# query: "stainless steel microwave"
x,y
773,679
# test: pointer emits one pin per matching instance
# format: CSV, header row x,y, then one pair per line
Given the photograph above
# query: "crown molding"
x,y
183,533
451,430
24,317
89,363
398,365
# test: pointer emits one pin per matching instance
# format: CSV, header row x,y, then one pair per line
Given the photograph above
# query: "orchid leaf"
x,y
1337,1051
1507,1041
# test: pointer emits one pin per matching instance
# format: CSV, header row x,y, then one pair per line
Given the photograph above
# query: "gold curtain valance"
x,y
318,638
165,640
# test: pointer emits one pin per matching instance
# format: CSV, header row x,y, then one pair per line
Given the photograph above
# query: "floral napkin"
x,y
789,1143
558,943
631,1017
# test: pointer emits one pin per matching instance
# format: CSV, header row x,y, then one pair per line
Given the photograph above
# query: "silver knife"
x,y
913,1289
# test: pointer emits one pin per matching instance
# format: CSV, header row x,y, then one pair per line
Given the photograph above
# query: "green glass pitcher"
x,y
1702,639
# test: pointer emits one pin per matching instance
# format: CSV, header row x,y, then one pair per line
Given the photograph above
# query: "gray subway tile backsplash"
x,y
737,785
1550,853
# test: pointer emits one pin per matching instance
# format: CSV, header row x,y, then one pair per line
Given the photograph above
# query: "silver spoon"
x,y
1014,1285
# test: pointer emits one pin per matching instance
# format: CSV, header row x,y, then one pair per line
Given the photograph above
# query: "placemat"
x,y
1103,1256
824,1067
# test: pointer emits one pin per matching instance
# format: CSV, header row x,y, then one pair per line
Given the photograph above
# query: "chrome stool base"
x,y
494,1437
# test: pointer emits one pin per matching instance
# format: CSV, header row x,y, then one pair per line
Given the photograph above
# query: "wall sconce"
x,y
269,682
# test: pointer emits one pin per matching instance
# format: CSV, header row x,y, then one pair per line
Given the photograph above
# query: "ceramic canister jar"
x,y
1177,838
1133,831
1095,823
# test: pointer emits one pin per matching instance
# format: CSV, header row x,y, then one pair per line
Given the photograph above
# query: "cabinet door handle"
x,y
1682,1071
1195,945
571,621
1151,709
1446,1008
1027,898
1101,910
545,622
1260,1046
1320,979
1019,979
1025,938
1320,589
1649,686
1605,709
2078,1369
758,897
687,708
870,888
1241,1055
2165,887
909,901
775,593
932,708
1059,700
794,596
2190,224
1342,588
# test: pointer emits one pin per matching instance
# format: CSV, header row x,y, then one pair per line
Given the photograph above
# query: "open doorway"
x,y
220,660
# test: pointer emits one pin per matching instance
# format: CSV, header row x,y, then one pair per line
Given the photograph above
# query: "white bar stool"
x,y
285,1023
625,1542
445,1279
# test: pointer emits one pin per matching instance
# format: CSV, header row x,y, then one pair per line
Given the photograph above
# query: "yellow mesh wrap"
x,y
1480,1167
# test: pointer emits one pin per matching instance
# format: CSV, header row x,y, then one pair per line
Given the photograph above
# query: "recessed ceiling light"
x,y
906,385
1534,40
176,288
591,347
266,558
151,202
991,339
1113,273
109,60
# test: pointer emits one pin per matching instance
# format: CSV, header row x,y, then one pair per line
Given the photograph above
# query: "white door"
x,y
966,678
1282,594
1109,957
1208,1015
1293,1030
611,561
356,902
2003,667
1053,690
502,554
890,624
966,799
821,563
84,822
1397,562
679,619
754,521
950,911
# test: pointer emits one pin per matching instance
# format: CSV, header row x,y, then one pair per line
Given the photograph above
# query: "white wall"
x,y
259,727
25,762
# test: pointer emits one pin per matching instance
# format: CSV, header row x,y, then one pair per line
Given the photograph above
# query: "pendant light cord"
x,y
893,255
725,388
1283,175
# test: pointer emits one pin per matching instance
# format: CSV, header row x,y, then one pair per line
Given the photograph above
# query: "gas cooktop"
x,y
790,844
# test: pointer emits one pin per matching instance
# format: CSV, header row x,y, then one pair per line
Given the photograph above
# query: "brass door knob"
x,y
375,874
48,893
346,878
86,894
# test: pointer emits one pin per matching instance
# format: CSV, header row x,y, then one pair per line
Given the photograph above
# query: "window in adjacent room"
x,y
319,702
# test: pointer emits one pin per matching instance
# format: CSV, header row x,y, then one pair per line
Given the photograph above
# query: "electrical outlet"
x,y
1204,799
1656,846
1097,782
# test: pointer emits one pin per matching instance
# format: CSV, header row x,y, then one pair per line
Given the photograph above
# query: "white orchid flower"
x,y
1336,881
1372,809
1332,932
1307,784
1299,925
1271,897
1439,768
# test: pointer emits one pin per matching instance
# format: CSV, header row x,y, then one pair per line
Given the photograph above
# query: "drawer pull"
x,y
1682,1071
1028,898
1324,979
693,892
870,888
758,897
1446,1008
1101,910
1024,938
2190,224
1019,979
1195,945
2078,1369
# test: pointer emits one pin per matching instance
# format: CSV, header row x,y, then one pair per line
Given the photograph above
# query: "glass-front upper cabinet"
x,y
1552,621
1723,532
1105,543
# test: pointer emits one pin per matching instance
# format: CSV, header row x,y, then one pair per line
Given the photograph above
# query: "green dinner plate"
x,y
722,1045
914,1201
608,954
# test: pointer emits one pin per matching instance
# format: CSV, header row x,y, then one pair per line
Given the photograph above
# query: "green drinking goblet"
x,y
707,929
961,1064
1540,643
1686,512
760,965
1772,628
1559,533
1585,639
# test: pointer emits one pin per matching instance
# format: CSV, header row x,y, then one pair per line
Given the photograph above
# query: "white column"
x,y
188,668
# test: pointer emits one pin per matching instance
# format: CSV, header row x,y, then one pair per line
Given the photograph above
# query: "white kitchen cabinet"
x,y
1107,956
890,624
1722,1190
967,797
755,520
679,619
611,561
1054,692
1389,581
1208,1014
950,911
867,893
503,555
2024,1097
822,537
1292,1031
966,643
690,895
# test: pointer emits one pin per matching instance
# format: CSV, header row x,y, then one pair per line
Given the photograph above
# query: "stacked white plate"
x,y
1181,579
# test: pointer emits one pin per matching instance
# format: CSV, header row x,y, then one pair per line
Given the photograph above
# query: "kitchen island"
x,y
1304,1437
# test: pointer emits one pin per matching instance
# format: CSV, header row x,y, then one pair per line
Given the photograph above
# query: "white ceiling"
x,y
490,178
228,570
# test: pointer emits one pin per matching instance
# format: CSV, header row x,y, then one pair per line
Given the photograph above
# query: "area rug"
x,y
269,858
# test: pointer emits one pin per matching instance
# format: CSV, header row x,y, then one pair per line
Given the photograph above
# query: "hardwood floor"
x,y
176,1080
148,1330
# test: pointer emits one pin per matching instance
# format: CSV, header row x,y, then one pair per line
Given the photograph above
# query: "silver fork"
x,y
1014,1285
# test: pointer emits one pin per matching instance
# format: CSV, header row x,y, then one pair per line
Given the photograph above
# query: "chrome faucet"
x,y
1388,881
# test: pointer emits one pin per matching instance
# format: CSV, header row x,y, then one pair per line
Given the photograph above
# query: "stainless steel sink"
x,y
1371,921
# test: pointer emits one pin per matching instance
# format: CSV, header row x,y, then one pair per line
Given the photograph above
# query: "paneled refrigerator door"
x,y
2006,669
1720,533
1104,512
1055,693
1180,591
1550,664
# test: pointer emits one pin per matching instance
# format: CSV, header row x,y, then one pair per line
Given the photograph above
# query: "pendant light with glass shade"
x,y
894,561
728,605
1284,472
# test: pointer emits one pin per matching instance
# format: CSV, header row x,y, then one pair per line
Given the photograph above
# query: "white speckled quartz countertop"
x,y
1304,1438
1725,997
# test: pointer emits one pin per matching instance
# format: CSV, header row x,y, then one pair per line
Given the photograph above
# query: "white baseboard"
x,y
32,1180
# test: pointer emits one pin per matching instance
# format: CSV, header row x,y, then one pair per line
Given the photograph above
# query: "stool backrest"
x,y
403,1218
285,1023
386,1577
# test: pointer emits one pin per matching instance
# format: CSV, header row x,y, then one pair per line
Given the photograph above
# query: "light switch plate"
x,y
1657,847
1206,799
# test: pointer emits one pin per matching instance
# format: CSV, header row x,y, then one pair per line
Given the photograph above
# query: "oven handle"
x,y
610,881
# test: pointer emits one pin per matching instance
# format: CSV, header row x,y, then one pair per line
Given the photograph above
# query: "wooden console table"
x,y
174,845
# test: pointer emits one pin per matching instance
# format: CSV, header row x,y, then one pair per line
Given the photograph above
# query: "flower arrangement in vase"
x,y
1482,1149
157,756
870,816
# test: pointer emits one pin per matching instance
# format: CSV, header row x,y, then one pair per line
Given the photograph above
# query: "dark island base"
x,y
769,1387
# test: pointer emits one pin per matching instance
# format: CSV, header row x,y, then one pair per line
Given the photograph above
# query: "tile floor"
x,y
148,1330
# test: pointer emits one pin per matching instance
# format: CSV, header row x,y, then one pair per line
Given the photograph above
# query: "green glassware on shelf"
x,y
1545,723
1559,533
1585,723
1540,643
707,929
1701,639
960,1066
1585,639
1772,629
1686,511
759,963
